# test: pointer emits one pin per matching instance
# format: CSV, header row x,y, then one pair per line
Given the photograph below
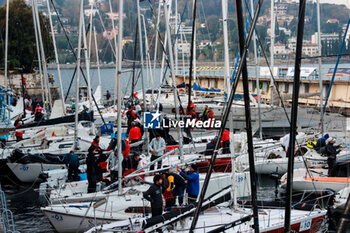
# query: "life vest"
x,y
311,144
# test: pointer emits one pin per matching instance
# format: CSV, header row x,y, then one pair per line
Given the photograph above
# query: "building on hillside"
x,y
183,47
205,43
310,50
187,30
114,15
286,31
327,38
281,9
285,18
89,12
281,49
263,20
332,21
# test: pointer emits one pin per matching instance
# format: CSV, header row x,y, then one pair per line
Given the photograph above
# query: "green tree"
x,y
21,41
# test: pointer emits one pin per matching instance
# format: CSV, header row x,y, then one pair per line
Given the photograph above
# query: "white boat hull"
x,y
30,172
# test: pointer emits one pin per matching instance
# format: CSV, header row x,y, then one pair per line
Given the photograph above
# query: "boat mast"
x,y
43,59
56,56
176,98
134,62
224,6
194,59
87,66
183,57
272,47
320,63
90,28
142,69
115,46
257,73
192,52
119,53
6,38
156,42
294,115
175,42
242,46
81,18
97,59
141,55
148,59
38,52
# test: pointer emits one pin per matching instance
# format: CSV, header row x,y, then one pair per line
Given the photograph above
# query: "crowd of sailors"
x,y
169,182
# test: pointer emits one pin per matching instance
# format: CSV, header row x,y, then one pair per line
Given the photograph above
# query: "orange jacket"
x,y
135,133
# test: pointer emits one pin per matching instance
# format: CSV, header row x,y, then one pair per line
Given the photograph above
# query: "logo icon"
x,y
151,120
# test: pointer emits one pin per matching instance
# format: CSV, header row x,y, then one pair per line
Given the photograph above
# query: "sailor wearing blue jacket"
x,y
192,178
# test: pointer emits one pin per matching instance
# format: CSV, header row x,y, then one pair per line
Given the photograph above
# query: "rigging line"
x,y
160,37
104,28
192,53
75,56
206,23
277,88
268,65
176,37
162,45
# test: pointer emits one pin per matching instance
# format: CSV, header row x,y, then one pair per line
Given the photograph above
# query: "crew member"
x,y
332,151
192,178
205,114
321,143
38,113
154,195
72,162
130,164
91,169
135,133
19,133
225,141
157,147
177,186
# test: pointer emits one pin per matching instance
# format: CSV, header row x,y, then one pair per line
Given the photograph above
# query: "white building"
x,y
88,12
310,50
325,37
205,43
184,47
281,49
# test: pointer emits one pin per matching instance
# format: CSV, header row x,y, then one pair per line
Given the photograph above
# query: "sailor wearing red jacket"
x,y
225,142
135,133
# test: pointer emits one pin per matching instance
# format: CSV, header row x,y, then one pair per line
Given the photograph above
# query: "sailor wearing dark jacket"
x,y
154,195
91,169
332,151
